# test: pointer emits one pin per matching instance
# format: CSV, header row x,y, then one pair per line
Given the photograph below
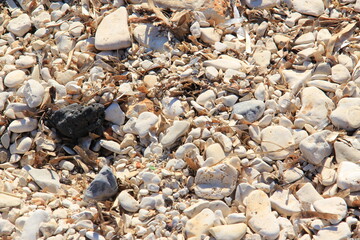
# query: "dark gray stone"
x,y
252,110
103,187
75,120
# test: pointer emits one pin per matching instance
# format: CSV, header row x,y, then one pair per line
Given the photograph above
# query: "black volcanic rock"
x,y
75,120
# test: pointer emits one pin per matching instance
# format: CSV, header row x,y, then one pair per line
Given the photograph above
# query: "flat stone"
x,y
340,74
338,231
261,4
292,175
128,202
229,232
172,107
223,64
47,179
34,93
25,62
315,107
64,41
110,145
114,114
173,133
200,224
75,120
196,208
346,152
252,110
262,57
308,194
305,38
103,187
15,78
20,25
23,125
347,114
21,146
348,176
9,201
150,36
113,31
313,7
256,203
285,203
145,122
276,138
333,205
94,236
32,225
315,148
215,182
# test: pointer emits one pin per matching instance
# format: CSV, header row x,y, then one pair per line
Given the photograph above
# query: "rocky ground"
x,y
179,119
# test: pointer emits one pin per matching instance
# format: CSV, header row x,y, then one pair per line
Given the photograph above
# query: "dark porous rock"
x,y
103,187
75,120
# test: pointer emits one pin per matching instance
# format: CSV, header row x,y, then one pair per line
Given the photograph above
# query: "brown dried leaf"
x,y
312,214
194,165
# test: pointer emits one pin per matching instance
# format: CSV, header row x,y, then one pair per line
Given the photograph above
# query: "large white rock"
x,y
47,179
340,74
128,202
200,224
315,148
150,36
20,25
113,31
347,114
34,93
309,7
145,121
349,176
333,205
339,231
209,35
308,194
277,142
21,146
215,182
285,203
315,107
229,232
346,152
296,79
266,225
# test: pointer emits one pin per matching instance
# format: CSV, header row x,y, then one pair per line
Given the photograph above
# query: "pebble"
x,y
215,182
274,139
103,186
313,8
285,203
211,73
316,148
348,176
204,97
47,179
315,107
230,232
34,93
94,236
172,107
178,129
6,227
216,152
21,146
25,62
252,110
338,231
340,74
345,115
110,145
200,224
19,25
145,122
128,202
296,79
9,201
333,205
209,35
114,114
14,78
345,152
308,194
261,4
262,58
113,31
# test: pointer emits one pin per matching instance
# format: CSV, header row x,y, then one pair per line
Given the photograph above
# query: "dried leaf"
x,y
340,37
312,214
